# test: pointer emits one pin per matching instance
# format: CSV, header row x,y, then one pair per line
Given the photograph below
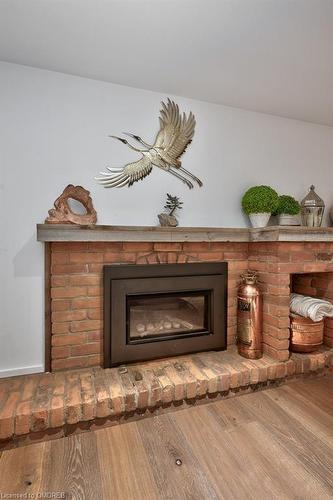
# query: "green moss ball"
x,y
260,199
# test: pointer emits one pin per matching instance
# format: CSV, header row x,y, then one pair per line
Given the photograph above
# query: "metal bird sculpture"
x,y
175,134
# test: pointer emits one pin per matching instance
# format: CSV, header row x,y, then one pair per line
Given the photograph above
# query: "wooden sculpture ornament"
x,y
63,214
175,134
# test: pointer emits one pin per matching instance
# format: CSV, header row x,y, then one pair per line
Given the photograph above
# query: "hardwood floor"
x,y
275,444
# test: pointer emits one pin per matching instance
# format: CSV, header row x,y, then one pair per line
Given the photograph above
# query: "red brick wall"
x,y
77,294
76,287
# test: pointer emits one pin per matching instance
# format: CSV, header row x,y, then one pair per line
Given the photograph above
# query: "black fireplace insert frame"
x,y
121,281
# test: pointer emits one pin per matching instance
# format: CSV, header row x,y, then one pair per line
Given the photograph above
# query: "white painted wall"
x,y
53,130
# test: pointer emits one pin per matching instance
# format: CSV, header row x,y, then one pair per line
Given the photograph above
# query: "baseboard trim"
x,y
24,370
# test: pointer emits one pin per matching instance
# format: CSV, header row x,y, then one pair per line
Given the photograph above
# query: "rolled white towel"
x,y
309,307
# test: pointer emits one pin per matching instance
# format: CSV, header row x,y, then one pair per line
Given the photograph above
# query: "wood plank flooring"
x,y
275,444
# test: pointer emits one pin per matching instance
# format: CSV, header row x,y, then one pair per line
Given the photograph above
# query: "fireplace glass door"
x,y
159,316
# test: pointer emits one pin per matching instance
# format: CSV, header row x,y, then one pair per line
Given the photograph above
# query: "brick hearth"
x,y
76,287
51,405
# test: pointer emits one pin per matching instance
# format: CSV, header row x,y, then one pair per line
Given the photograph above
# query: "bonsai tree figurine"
x,y
172,204
259,202
288,211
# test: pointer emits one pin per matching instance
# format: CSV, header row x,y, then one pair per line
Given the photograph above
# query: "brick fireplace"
x,y
74,270
48,405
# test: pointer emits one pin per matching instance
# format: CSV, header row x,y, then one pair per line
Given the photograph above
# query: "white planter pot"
x,y
259,220
289,220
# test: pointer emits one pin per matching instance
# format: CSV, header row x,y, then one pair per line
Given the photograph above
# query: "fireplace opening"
x,y
165,316
154,311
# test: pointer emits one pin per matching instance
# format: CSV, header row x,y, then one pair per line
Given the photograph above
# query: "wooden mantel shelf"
x,y
68,232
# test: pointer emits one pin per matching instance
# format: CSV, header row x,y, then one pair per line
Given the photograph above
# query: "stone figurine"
x,y
175,134
168,219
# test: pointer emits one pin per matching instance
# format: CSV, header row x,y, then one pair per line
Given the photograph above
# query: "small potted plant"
x,y
259,202
288,211
173,203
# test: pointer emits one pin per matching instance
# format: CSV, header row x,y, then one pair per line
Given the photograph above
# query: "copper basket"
x,y
306,335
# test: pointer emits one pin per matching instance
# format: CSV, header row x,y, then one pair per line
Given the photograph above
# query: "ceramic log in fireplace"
x,y
154,311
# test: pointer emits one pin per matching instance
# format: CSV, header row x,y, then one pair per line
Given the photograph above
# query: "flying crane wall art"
x,y
175,134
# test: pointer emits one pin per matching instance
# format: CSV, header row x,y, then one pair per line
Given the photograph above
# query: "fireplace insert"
x,y
154,311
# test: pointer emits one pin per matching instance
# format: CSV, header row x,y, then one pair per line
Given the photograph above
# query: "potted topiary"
x,y
288,211
259,202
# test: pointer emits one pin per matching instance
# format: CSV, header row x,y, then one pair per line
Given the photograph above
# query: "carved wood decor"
x,y
63,214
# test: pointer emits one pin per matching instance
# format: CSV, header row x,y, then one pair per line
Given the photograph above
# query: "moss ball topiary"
x,y
288,205
260,199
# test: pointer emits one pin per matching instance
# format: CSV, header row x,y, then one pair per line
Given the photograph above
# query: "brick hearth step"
x,y
47,405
